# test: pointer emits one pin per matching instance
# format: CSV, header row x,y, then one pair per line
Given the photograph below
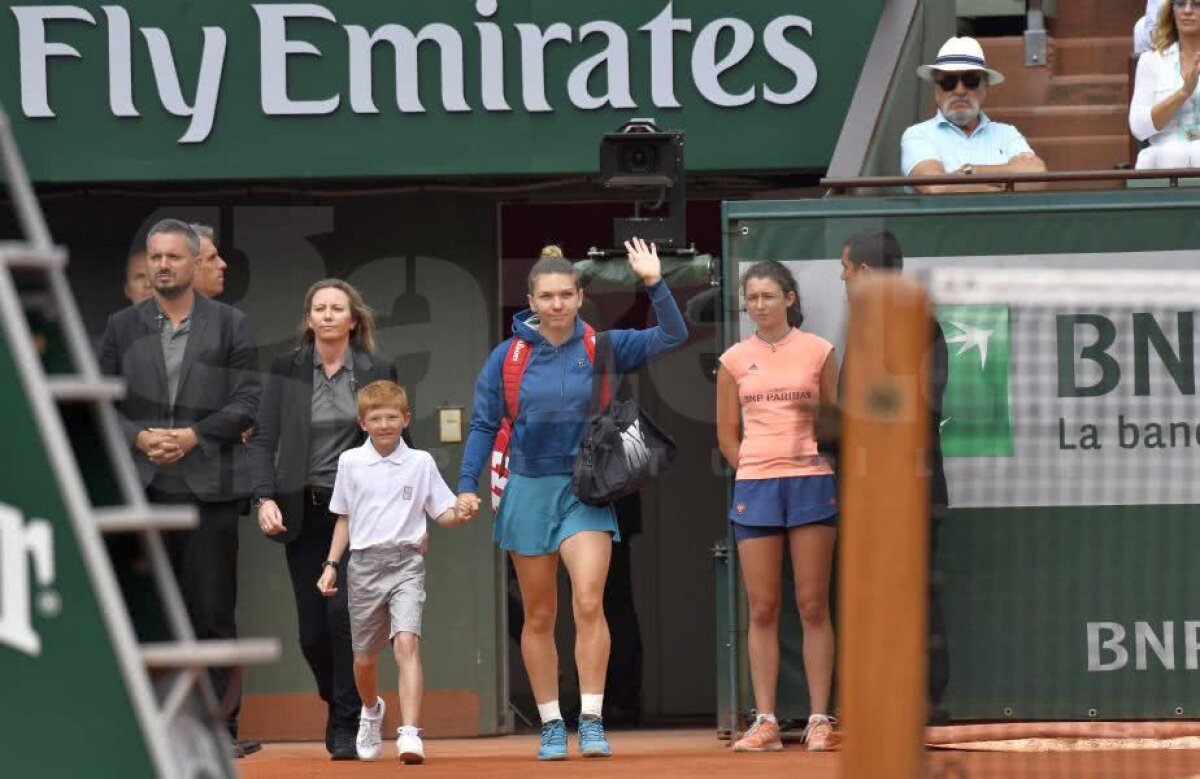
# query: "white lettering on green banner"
x,y
26,549
601,80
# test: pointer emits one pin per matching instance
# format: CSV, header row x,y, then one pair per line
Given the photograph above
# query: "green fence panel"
x,y
1070,599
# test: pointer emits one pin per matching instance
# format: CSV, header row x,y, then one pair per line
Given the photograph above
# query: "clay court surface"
x,y
691,753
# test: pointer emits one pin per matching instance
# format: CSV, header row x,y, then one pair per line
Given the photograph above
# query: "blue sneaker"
x,y
592,742
554,741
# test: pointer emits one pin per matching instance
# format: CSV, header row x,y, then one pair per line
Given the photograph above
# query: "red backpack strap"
x,y
589,345
511,373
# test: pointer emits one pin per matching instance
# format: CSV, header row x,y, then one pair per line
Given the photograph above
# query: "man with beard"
x,y
960,139
191,371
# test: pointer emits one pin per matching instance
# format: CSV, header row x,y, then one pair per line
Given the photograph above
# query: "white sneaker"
x,y
409,746
369,743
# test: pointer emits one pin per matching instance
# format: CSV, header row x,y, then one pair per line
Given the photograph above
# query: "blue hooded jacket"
x,y
556,392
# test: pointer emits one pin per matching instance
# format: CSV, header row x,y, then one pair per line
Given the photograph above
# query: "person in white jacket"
x,y
1165,110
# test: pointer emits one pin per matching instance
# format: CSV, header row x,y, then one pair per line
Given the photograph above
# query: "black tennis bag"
x,y
621,448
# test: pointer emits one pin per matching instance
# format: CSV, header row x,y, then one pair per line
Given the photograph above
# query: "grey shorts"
x,y
387,595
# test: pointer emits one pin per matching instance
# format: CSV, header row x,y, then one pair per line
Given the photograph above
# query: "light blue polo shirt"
x,y
992,143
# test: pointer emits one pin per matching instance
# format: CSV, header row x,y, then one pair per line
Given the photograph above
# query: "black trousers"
x,y
324,622
939,652
204,560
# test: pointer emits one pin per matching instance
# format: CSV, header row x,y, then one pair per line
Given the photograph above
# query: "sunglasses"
x,y
1193,4
971,79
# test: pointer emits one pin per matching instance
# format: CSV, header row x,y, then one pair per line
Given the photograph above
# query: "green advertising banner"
x,y
1071,432
176,90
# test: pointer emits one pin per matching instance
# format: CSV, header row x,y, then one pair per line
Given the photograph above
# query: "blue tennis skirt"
x,y
538,513
784,502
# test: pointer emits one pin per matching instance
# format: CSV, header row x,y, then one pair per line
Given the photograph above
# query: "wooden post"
x,y
884,548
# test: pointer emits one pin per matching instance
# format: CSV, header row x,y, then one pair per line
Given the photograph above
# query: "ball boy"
x,y
383,493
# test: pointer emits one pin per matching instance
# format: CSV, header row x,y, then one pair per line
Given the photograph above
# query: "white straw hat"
x,y
957,55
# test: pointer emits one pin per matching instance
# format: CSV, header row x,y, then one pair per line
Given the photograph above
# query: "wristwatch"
x,y
256,504
968,169
334,564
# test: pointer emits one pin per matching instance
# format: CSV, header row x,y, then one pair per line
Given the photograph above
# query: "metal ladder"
x,y
174,703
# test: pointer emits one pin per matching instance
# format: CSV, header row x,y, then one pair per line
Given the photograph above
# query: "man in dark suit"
x,y
878,251
190,367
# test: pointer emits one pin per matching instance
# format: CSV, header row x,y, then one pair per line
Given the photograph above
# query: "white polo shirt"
x,y
388,499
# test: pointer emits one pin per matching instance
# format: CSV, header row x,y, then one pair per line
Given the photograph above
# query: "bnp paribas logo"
x,y
25,549
976,410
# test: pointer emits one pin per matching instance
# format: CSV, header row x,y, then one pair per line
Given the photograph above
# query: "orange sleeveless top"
x,y
779,388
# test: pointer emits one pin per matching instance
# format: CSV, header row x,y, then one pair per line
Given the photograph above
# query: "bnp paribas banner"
x,y
1063,390
1070,387
175,89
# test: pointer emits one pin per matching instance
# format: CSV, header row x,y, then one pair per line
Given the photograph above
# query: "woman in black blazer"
x,y
307,418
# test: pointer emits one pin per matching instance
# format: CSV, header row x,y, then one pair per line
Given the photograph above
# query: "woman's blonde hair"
x,y
551,251
363,334
1165,32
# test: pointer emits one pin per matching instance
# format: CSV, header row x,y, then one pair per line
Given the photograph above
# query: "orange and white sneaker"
x,y
763,736
818,734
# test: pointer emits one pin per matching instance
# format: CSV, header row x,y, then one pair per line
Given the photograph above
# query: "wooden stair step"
x,y
1096,152
1089,18
1089,89
1080,56
1004,53
1064,120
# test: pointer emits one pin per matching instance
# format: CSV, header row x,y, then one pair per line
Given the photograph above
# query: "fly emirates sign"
x,y
510,57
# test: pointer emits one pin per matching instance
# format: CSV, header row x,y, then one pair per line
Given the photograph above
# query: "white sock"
x,y
767,717
371,712
549,711
408,730
591,705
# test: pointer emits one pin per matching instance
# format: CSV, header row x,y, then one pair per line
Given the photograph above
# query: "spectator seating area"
x,y
1074,111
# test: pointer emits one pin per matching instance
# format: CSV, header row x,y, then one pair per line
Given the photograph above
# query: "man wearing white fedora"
x,y
960,139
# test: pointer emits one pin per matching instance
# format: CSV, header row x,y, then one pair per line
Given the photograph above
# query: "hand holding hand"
x,y
147,441
466,507
643,260
186,439
270,518
327,581
159,446
166,446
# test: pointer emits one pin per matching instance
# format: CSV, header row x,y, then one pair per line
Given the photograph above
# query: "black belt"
x,y
318,496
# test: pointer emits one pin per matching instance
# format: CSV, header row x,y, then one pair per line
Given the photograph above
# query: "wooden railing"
x,y
1010,181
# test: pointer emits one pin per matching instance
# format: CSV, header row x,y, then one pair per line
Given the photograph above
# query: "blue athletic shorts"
x,y
766,507
538,513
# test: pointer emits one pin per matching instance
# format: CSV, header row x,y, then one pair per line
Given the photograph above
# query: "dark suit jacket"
x,y
939,372
279,448
217,397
